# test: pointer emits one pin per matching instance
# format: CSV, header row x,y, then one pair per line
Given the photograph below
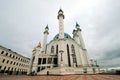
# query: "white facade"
x,y
12,62
62,54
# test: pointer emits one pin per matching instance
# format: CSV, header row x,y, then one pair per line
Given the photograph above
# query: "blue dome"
x,y
65,36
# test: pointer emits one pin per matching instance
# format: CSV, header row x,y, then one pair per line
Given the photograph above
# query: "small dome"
x,y
65,36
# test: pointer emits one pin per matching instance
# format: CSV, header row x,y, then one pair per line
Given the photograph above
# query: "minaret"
x,y
45,39
85,55
61,25
80,35
75,35
38,48
34,59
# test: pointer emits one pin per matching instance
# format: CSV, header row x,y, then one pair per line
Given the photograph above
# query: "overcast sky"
x,y
22,24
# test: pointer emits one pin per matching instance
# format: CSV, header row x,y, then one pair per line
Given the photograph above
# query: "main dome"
x,y
65,36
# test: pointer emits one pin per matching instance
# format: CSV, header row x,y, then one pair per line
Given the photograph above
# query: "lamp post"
x,y
61,59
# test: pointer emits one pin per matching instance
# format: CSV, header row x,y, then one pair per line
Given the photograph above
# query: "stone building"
x,y
62,55
12,62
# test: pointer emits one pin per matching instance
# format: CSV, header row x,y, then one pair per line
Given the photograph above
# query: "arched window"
x,y
73,49
10,55
57,49
52,49
68,54
4,67
2,52
8,68
13,56
6,54
7,61
3,60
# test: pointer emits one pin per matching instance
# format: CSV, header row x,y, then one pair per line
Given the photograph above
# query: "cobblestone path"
x,y
68,77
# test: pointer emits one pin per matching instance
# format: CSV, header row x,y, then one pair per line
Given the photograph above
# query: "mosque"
x,y
63,55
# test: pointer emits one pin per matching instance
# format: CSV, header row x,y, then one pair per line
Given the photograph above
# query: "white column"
x,y
86,58
80,56
80,38
61,24
45,39
61,29
85,55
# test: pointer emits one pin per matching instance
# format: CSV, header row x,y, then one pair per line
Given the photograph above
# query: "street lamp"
x,y
61,52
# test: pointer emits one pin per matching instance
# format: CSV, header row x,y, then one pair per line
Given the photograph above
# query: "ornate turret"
x,y
78,27
34,49
46,30
74,31
75,35
39,45
60,13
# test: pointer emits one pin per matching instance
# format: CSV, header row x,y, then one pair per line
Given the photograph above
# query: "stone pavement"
x,y
67,77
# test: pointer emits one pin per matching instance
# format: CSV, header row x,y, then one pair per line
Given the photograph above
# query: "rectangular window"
x,y
4,67
13,56
43,67
38,69
11,62
10,55
7,61
49,60
2,52
44,61
14,63
39,61
48,66
3,60
11,69
55,60
6,54
16,57
8,68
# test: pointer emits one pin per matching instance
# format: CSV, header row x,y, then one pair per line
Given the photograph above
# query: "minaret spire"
x,y
80,35
85,58
61,23
45,38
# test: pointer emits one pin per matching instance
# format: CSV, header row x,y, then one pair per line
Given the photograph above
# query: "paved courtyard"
x,y
68,77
